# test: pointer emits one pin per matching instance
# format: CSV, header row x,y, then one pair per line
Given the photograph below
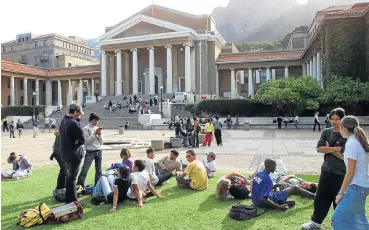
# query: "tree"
x,y
291,95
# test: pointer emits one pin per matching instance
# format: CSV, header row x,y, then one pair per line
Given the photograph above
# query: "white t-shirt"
x,y
210,166
47,120
53,121
150,168
316,117
141,179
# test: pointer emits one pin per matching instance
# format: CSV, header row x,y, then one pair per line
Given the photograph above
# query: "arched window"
x,y
21,100
8,99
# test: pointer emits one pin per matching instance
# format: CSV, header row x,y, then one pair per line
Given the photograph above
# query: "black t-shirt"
x,y
123,186
332,163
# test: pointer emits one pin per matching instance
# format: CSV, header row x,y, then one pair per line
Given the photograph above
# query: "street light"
x,y
161,100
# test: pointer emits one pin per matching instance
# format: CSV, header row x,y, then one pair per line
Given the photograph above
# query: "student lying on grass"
x,y
233,185
140,183
263,194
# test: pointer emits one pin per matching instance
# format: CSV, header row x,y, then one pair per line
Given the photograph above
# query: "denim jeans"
x,y
90,156
164,177
350,211
184,182
104,186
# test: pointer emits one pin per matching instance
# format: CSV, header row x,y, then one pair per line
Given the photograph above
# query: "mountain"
x,y
267,20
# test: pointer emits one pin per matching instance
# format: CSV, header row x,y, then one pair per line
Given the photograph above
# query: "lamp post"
x,y
34,103
161,100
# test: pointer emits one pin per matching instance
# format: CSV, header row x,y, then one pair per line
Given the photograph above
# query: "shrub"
x,y
21,111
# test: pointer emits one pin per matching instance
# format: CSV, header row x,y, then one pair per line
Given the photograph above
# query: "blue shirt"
x,y
261,187
355,151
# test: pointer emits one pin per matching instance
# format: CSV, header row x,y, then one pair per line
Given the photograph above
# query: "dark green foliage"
x,y
20,111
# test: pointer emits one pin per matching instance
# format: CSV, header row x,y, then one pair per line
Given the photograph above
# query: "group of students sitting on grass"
x,y
137,180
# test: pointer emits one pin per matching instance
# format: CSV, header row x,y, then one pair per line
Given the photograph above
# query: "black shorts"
x,y
47,126
53,126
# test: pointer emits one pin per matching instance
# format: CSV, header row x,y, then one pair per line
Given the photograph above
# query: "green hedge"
x,y
21,111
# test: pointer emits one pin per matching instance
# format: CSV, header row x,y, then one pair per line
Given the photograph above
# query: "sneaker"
x,y
311,225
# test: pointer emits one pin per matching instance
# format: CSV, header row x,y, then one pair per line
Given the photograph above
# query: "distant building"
x,y
48,51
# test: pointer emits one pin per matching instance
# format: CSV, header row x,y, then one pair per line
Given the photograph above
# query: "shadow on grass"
x,y
177,193
212,202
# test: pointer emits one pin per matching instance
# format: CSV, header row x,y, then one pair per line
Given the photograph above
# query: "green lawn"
x,y
183,209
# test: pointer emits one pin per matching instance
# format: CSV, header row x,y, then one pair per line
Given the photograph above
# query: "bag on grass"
x,y
34,216
66,213
88,189
59,194
244,212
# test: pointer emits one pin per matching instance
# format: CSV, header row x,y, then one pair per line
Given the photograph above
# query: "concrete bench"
x,y
176,142
157,144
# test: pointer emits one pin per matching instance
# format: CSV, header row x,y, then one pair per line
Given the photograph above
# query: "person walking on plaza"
x,y
11,129
20,128
209,128
327,122
279,122
333,170
46,125
351,199
110,106
218,131
316,120
5,125
71,149
285,121
35,127
93,143
297,121
196,131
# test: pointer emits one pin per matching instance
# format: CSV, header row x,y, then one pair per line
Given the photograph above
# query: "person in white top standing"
x,y
210,165
53,123
316,120
47,125
351,199
297,121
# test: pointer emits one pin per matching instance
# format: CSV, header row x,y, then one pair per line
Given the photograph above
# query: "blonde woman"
x,y
350,212
233,185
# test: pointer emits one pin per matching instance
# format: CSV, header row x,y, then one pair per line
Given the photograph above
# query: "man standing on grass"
x,y
71,149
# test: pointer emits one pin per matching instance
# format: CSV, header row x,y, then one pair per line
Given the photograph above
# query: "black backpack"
x,y
244,212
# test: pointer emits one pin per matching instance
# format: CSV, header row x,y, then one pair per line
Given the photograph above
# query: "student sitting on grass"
x,y
196,171
150,168
125,154
263,194
233,185
209,164
113,189
21,167
140,181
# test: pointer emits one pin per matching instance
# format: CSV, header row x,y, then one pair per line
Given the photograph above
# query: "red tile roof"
x,y
34,70
335,8
349,10
260,56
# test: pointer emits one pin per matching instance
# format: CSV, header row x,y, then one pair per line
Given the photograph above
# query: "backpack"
x,y
244,212
66,213
34,216
59,194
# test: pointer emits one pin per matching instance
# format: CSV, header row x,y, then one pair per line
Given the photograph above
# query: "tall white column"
x,y
200,69
169,69
12,91
93,87
267,73
242,76
314,66
308,69
257,76
60,103
103,79
187,67
134,72
70,92
319,68
233,84
250,84
48,93
80,92
303,66
151,70
216,81
286,74
273,74
25,91
37,89
311,68
119,73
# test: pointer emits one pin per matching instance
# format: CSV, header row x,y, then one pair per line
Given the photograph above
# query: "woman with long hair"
x,y
351,199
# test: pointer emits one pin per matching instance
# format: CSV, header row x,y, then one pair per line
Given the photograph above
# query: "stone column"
x,y
286,74
80,92
70,92
93,87
48,93
308,69
233,84
119,73
134,72
12,91
242,76
267,73
151,70
273,74
319,68
25,91
60,101
169,69
257,73
314,66
250,84
103,79
304,69
311,68
37,89
216,81
187,67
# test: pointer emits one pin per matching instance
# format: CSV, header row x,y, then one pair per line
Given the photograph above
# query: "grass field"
x,y
183,209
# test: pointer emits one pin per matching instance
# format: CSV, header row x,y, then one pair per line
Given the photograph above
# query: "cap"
x,y
211,154
76,107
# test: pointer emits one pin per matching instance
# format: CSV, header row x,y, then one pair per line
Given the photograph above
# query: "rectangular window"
x,y
8,83
22,39
11,48
26,38
45,43
33,85
44,87
36,44
3,48
21,83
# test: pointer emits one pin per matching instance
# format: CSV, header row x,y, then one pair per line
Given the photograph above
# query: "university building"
x,y
163,49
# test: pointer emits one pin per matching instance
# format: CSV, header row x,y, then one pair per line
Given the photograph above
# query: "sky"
x,y
83,18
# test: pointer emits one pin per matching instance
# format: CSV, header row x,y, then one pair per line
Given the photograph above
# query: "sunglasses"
x,y
188,156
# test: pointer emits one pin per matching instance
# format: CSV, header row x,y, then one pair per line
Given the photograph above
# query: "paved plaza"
x,y
242,151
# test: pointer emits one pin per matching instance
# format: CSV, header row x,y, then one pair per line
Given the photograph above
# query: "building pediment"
x,y
141,25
